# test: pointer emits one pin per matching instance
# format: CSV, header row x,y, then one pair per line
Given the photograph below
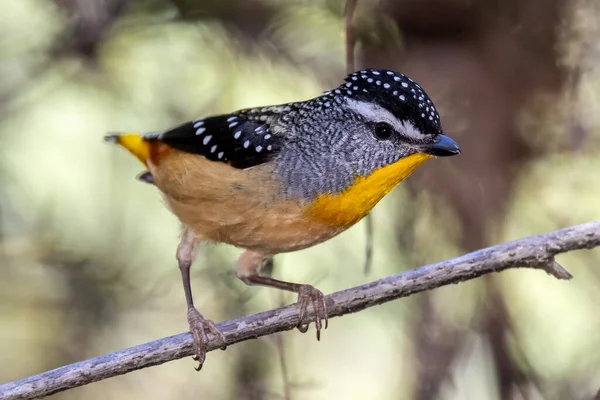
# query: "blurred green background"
x,y
87,253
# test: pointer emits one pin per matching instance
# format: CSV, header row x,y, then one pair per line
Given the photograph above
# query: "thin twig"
x,y
350,68
368,244
533,252
348,15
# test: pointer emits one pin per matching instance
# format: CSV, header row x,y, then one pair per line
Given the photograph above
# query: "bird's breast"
x,y
247,208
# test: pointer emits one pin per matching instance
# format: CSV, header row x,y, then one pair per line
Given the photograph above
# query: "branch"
x,y
350,68
349,32
533,252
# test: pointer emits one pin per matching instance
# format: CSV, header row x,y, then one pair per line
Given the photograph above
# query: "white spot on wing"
x,y
200,131
206,139
213,149
198,124
237,135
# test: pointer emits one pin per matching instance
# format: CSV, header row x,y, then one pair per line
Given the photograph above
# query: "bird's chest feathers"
x,y
350,206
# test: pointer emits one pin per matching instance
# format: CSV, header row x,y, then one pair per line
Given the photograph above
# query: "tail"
x,y
133,143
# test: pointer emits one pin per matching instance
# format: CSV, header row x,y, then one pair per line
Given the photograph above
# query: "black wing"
x,y
231,138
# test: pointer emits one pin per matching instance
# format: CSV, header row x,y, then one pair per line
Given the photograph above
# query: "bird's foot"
x,y
199,328
310,295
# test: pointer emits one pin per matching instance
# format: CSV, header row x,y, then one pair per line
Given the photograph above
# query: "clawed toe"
x,y
309,295
199,328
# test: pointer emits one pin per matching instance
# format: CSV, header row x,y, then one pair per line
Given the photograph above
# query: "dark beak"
x,y
442,147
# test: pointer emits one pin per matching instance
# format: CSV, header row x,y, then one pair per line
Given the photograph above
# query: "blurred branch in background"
x,y
349,10
533,252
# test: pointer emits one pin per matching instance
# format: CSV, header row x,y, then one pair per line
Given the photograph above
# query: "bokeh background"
x,y
87,253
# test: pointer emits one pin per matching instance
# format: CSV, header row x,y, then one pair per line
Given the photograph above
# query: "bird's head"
x,y
395,112
376,119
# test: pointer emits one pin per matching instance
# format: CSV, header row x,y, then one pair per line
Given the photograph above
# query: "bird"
x,y
282,178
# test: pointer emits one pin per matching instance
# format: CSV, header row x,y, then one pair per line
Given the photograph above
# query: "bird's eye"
x,y
383,131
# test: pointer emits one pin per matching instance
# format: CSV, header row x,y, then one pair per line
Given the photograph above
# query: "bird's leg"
x,y
248,270
199,326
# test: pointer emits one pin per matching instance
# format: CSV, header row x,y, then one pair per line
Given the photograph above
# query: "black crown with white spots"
x,y
395,92
244,139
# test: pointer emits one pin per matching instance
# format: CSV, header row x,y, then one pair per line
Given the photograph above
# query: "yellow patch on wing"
x,y
133,143
347,208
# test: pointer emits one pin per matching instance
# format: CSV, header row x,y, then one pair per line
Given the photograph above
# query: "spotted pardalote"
x,y
286,177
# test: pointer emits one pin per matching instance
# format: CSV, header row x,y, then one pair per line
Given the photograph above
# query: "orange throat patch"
x,y
350,206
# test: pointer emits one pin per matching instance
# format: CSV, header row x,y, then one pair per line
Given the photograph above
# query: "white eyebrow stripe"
x,y
376,113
